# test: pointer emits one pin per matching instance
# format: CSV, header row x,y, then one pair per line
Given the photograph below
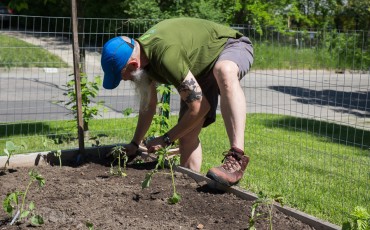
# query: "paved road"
x,y
32,94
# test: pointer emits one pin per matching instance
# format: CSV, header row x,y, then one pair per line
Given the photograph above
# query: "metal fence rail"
x,y
329,99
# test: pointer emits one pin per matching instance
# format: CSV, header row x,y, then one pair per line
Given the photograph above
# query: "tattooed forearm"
x,y
191,90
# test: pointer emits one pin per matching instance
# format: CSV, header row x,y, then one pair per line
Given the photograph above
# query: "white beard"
x,y
142,87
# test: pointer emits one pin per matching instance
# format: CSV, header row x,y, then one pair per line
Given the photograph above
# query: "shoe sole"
x,y
214,177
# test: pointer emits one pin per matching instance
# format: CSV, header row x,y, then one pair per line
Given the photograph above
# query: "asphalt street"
x,y
35,94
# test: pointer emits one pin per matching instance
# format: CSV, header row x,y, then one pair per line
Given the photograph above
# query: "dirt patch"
x,y
73,196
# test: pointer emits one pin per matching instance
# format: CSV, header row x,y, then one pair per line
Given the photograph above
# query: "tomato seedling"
x,y
9,150
18,211
161,157
119,153
263,200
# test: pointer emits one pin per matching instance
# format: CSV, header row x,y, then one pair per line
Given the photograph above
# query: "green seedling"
x,y
18,211
161,157
9,150
90,225
96,142
263,200
58,154
119,153
360,220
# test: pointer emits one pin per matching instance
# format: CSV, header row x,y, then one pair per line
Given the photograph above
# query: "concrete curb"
x,y
71,157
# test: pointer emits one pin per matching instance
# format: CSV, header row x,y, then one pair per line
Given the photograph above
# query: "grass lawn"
x,y
320,168
17,53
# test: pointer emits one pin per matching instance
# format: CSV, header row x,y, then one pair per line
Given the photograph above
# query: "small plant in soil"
x,y
119,153
90,226
17,210
360,220
9,150
96,143
263,201
161,157
58,154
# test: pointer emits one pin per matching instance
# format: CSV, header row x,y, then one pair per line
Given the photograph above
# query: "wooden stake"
x,y
76,67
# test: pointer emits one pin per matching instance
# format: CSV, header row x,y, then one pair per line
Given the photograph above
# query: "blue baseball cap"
x,y
116,53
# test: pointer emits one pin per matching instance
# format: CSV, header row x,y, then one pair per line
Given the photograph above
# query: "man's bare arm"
x,y
146,116
198,106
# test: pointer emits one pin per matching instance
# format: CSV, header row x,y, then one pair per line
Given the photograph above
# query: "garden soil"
x,y
73,196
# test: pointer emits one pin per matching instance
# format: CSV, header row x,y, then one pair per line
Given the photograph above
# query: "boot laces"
x,y
231,161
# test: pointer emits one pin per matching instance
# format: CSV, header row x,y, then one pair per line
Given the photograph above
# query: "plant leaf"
x,y
6,152
37,220
174,199
31,206
90,225
147,180
8,208
24,214
9,145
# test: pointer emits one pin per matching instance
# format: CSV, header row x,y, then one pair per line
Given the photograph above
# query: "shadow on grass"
x,y
331,132
354,103
57,136
22,129
28,129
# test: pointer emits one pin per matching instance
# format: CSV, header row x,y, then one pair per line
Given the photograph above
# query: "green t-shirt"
x,y
175,46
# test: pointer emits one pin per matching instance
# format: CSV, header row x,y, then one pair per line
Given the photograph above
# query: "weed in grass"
x,y
18,211
360,220
161,157
46,142
119,153
127,112
263,200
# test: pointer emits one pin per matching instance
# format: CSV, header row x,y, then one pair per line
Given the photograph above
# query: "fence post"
x,y
76,57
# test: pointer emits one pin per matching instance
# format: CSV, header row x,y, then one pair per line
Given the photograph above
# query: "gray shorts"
x,y
239,51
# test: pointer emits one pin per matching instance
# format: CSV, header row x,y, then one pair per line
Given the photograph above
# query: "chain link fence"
x,y
323,95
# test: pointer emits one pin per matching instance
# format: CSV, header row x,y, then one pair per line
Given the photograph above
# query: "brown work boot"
x,y
232,169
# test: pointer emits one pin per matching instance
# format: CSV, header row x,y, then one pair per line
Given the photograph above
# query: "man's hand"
x,y
155,144
131,149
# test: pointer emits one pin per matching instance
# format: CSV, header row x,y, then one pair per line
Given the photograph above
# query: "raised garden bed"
x,y
73,196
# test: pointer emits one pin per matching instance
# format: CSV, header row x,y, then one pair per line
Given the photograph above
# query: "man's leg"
x,y
233,104
191,150
233,109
